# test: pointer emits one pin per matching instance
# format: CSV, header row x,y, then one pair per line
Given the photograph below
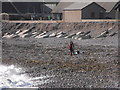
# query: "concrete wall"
x,y
72,16
93,8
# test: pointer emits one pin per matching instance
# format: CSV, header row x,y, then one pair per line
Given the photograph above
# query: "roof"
x,y
77,5
60,7
117,5
107,5
30,0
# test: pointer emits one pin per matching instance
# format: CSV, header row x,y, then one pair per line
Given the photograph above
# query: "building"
x,y
59,10
74,12
28,10
117,8
109,7
88,10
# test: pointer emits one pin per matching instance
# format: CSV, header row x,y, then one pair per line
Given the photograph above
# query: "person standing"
x,y
71,47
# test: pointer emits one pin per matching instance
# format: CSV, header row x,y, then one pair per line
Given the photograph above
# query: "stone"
x,y
104,34
113,34
23,32
18,31
61,35
87,32
71,35
8,35
85,37
78,33
52,35
44,36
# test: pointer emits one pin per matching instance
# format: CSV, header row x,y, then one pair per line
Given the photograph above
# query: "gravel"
x,y
96,65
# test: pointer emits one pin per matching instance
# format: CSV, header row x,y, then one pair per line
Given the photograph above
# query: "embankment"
x,y
35,29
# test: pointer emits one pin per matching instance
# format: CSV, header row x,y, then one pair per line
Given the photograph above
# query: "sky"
x,y
60,0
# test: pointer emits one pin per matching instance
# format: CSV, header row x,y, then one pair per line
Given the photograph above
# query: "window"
x,y
92,15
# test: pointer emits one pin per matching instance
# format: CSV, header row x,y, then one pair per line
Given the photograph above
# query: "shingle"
x,y
77,5
107,5
59,8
